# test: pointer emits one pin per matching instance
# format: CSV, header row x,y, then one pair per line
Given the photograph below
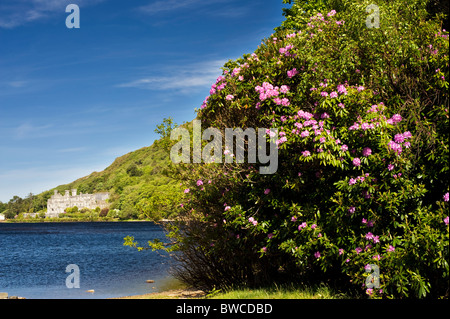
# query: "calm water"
x,y
33,259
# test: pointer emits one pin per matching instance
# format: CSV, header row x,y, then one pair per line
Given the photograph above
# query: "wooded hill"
x,y
138,183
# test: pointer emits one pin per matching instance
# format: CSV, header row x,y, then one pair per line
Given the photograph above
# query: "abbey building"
x,y
58,203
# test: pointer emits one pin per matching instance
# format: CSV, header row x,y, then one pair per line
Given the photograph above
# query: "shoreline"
x,y
85,221
169,294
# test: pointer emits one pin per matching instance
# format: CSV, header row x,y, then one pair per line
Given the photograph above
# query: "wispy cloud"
x,y
17,84
14,13
72,150
161,6
182,78
167,5
28,130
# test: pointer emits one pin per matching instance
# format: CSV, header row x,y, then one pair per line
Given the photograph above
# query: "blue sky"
x,y
72,100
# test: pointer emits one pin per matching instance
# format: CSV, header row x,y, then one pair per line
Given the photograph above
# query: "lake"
x,y
34,257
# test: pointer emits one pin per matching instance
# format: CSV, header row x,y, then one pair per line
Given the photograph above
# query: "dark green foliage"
x,y
330,212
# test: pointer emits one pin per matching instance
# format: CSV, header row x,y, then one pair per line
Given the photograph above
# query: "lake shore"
x,y
75,220
170,294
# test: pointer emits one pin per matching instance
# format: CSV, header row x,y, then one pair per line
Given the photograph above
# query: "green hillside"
x,y
138,183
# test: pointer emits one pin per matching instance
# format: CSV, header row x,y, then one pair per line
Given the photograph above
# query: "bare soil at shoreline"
x,y
171,294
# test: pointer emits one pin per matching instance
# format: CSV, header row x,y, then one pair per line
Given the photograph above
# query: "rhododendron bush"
x,y
362,120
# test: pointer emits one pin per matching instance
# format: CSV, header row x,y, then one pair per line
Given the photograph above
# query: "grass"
x,y
171,288
176,290
279,292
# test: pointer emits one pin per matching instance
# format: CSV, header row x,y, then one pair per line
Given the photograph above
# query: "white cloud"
x,y
26,130
14,13
72,150
167,5
183,78
17,84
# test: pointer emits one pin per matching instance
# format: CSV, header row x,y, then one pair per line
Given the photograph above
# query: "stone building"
x,y
58,203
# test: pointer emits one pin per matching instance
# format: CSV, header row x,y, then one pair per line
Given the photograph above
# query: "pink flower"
x,y
227,208
293,219
199,182
317,254
352,181
396,118
390,248
446,197
292,73
284,89
369,236
281,140
285,102
304,115
324,116
264,249
270,133
267,191
344,148
324,94
270,236
331,13
306,153
366,151
360,88
356,161
352,209
253,221
341,251
302,225
407,135
358,250
376,239
333,94
341,89
322,140
186,190
313,226
390,167
446,220
399,138
395,147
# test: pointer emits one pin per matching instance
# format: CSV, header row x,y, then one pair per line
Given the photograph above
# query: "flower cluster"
x,y
253,221
286,51
267,90
399,142
218,86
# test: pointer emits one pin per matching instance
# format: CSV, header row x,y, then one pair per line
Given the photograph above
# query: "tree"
x,y
362,115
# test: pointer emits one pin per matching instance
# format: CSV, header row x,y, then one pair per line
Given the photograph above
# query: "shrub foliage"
x,y
362,116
